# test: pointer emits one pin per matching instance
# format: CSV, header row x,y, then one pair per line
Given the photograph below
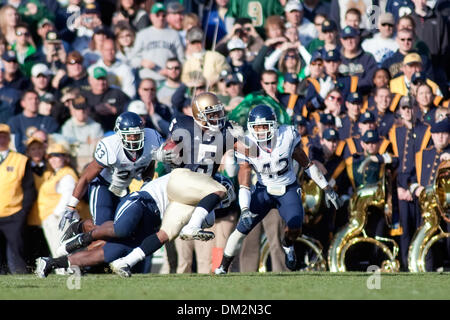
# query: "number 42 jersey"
x,y
275,167
119,169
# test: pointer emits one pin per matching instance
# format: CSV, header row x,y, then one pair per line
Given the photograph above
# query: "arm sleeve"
x,y
29,189
65,188
271,59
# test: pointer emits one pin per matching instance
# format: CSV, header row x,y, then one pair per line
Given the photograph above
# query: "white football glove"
x,y
162,155
331,196
325,86
70,214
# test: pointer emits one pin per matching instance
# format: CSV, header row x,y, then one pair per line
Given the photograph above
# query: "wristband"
x,y
73,202
317,176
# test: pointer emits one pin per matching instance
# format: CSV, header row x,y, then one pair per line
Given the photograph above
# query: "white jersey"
x,y
275,168
119,169
158,190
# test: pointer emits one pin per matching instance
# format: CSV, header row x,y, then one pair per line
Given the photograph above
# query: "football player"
x,y
277,185
118,159
137,219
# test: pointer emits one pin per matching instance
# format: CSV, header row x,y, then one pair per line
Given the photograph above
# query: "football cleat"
x,y
290,259
220,270
71,231
196,234
43,267
120,267
70,245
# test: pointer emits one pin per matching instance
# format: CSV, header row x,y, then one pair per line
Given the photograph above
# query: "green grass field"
x,y
257,286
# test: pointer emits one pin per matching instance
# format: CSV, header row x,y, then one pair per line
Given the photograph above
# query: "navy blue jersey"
x,y
201,151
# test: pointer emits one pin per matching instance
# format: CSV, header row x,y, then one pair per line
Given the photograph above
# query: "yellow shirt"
x,y
398,85
12,171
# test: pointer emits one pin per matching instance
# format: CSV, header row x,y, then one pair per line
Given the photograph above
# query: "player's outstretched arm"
x,y
314,173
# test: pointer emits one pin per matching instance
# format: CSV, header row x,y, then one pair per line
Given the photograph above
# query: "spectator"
x,y
407,22
43,27
217,16
82,132
382,45
76,75
405,39
93,53
314,8
9,18
9,99
24,48
412,63
155,44
54,108
424,108
13,77
320,40
236,59
166,90
17,194
104,101
356,62
125,37
129,11
340,8
29,120
210,63
85,24
159,114
294,17
175,17
385,117
120,74
40,80
53,53
244,30
234,88
3,44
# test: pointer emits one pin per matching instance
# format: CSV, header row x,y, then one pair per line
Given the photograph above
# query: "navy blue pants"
x,y
410,221
289,206
12,230
136,218
102,202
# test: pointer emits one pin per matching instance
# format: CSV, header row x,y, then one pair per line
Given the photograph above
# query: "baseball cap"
x,y
9,55
412,58
354,97
367,117
299,120
48,97
79,103
329,26
40,68
74,57
371,136
57,148
91,8
330,134
175,7
326,118
349,32
194,34
405,101
52,37
235,43
98,72
234,78
32,140
4,128
138,107
43,22
332,55
291,78
293,5
441,126
387,18
316,56
157,7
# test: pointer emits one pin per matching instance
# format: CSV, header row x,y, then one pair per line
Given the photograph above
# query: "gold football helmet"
x,y
208,111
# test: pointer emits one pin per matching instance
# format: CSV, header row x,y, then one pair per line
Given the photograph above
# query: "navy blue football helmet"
x,y
262,115
231,194
130,127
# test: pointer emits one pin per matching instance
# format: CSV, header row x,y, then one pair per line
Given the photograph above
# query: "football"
x,y
169,145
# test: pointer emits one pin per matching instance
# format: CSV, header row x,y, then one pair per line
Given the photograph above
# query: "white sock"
x,y
234,243
134,257
288,249
197,218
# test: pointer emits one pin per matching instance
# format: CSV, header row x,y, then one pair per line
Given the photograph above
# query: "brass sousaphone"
x,y
434,205
353,232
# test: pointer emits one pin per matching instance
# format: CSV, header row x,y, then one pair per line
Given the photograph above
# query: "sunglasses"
x,y
316,63
406,40
72,61
290,56
20,33
405,107
174,68
332,98
270,83
387,25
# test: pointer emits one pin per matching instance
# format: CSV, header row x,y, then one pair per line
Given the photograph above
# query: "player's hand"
x,y
68,216
163,155
247,218
331,196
